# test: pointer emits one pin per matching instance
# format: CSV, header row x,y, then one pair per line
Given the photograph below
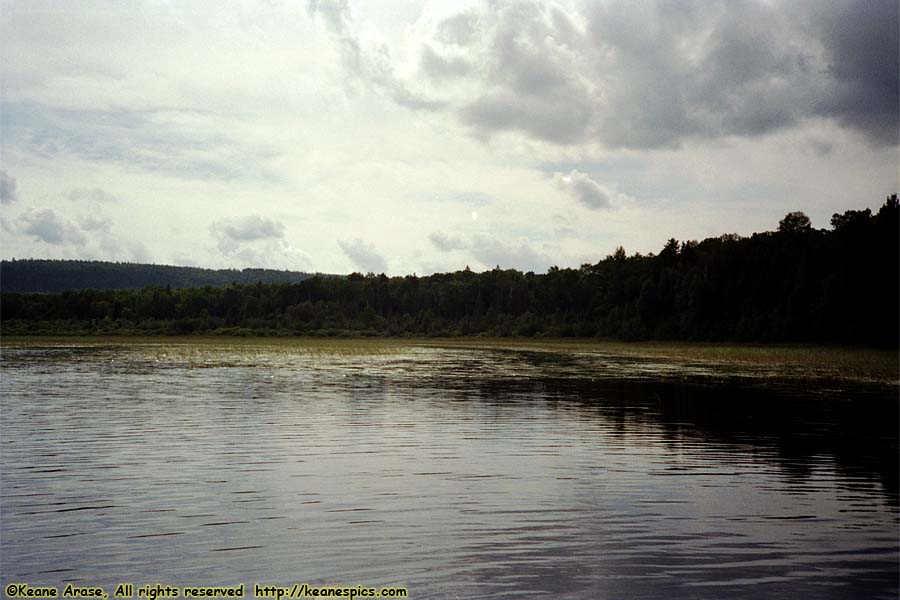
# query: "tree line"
x,y
40,275
797,284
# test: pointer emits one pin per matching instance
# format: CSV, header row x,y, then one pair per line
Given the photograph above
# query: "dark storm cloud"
x,y
655,74
363,255
863,45
8,192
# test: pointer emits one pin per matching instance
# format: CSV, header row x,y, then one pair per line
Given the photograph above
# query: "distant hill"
x,y
33,275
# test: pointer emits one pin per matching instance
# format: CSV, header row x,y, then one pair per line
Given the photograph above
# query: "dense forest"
x,y
795,284
33,275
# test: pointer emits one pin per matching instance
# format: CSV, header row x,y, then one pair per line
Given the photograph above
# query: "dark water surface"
x,y
455,472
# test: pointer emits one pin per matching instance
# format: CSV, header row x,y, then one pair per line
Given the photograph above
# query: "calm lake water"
x,y
455,472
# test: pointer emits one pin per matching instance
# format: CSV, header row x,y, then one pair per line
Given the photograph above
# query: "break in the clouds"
x,y
256,134
364,255
8,193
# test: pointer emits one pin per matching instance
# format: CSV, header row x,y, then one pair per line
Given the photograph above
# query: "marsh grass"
x,y
774,362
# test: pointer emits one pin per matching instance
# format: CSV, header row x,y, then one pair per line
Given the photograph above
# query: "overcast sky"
x,y
401,136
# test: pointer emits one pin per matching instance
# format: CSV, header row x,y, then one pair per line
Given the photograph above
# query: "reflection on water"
x,y
459,473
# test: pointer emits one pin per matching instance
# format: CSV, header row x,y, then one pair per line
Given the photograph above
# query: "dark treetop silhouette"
x,y
794,284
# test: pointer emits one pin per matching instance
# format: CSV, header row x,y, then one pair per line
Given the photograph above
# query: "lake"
x,y
456,470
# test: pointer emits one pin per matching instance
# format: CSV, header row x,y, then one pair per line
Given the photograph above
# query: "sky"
x,y
420,137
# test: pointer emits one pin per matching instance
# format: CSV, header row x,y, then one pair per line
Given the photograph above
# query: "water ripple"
x,y
458,472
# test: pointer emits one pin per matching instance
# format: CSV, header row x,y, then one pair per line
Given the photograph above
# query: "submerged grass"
x,y
795,361
769,361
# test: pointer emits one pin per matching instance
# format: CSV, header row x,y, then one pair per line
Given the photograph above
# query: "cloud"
x,y
469,198
232,232
863,48
370,63
459,29
114,248
255,241
335,13
8,192
492,252
584,189
650,76
560,119
88,237
45,225
364,255
91,195
698,107
95,222
443,67
271,254
531,82
446,243
181,143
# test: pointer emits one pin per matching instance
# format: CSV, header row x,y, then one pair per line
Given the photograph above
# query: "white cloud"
x,y
90,236
255,241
